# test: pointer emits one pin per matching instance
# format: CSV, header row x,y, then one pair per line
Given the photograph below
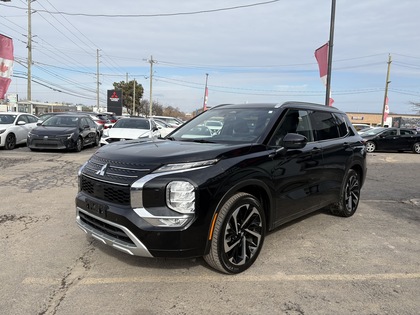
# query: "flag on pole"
x,y
206,96
6,64
321,55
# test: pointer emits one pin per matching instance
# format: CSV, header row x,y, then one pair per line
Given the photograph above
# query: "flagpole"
x,y
386,90
330,54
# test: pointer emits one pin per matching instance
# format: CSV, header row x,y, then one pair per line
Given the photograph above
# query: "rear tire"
x,y
238,234
10,142
349,195
416,147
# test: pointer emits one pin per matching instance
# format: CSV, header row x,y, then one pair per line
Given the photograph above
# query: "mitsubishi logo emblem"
x,y
102,171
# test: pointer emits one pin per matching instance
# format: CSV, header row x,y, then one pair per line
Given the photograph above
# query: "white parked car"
x,y
14,128
163,127
130,129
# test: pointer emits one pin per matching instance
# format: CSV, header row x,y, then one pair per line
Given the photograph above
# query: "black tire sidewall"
x,y
10,145
229,267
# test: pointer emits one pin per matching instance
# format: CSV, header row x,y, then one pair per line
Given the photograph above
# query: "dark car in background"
x,y
392,139
217,194
64,132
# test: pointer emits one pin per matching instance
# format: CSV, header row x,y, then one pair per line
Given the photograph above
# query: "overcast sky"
x,y
252,50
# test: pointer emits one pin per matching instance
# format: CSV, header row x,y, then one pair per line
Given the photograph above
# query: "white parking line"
x,y
241,278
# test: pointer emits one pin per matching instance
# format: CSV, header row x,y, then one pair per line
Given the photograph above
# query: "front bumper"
x,y
112,234
50,143
122,228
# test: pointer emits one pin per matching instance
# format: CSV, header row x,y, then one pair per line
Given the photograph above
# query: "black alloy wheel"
x,y
238,234
349,195
10,142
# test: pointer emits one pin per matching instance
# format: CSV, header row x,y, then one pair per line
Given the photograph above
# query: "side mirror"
x,y
21,123
294,141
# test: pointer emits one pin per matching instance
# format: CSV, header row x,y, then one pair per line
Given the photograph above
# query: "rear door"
x,y
335,138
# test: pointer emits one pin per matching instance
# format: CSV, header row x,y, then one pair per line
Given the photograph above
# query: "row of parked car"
x,y
75,130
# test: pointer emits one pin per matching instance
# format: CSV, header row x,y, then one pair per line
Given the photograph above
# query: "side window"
x,y
294,121
324,125
23,118
342,125
32,119
84,122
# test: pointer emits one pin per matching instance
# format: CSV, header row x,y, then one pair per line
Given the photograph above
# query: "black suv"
x,y
216,194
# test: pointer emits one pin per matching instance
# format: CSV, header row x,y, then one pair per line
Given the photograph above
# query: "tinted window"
x,y
324,125
342,125
295,121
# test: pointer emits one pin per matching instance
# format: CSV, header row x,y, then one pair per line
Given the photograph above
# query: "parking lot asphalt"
x,y
320,264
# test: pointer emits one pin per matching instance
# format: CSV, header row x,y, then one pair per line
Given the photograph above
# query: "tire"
x,y
349,195
10,142
370,146
79,145
416,147
238,234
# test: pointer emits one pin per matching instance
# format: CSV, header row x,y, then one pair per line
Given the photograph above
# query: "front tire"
x,y
416,147
97,139
79,145
370,146
238,234
10,142
349,195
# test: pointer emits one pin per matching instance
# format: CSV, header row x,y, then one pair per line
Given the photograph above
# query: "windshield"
x,y
242,125
7,119
61,121
135,123
373,131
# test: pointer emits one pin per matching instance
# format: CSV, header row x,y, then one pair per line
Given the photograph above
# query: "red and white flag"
x,y
386,111
321,55
206,96
6,64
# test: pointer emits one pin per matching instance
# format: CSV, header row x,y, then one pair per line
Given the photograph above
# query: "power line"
x,y
158,14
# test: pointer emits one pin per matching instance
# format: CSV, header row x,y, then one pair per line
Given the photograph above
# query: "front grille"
x,y
53,143
106,228
110,180
105,191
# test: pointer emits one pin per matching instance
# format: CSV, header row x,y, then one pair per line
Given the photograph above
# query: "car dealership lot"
x,y
321,264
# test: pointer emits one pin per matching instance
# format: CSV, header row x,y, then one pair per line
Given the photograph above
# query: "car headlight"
x,y
180,196
185,166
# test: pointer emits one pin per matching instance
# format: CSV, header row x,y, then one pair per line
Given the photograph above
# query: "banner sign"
x,y
115,102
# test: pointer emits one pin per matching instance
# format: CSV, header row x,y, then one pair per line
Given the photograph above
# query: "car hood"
x,y
167,151
5,126
126,133
50,130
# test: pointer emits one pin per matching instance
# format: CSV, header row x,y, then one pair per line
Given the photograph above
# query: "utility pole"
x,y
97,80
330,54
29,86
151,79
386,90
